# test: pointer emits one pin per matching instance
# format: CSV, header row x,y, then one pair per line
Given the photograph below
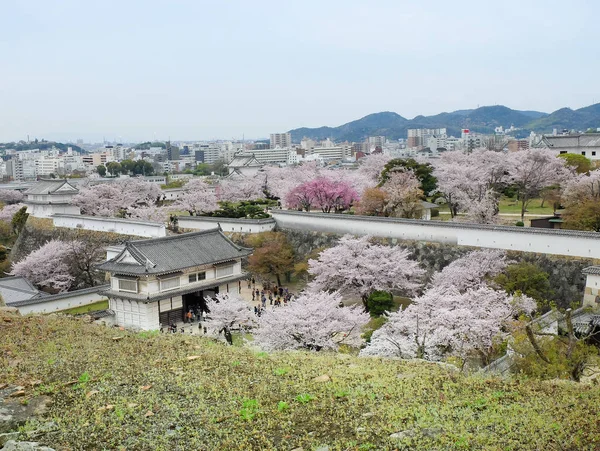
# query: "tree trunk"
x,y
535,344
365,298
523,208
571,333
228,336
278,280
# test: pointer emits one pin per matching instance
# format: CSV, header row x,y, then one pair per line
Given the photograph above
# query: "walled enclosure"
x,y
62,301
236,225
545,241
145,229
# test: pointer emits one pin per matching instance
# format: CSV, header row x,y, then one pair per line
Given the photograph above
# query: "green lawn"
x,y
167,392
100,305
512,206
508,205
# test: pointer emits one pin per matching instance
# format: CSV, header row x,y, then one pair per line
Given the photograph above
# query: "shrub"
x,y
520,224
380,302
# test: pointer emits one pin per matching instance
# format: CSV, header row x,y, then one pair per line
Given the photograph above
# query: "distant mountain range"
x,y
484,120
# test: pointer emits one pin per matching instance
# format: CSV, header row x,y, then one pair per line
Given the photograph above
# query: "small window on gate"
x,y
196,277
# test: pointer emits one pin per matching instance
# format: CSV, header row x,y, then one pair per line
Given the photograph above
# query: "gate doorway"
x,y
195,301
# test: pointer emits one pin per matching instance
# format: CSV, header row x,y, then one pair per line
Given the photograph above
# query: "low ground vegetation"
x,y
113,389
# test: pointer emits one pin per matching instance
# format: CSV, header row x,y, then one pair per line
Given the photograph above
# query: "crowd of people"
x,y
270,295
275,295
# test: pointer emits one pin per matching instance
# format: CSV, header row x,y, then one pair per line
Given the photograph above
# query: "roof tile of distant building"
x,y
174,253
51,186
580,140
595,270
18,289
244,160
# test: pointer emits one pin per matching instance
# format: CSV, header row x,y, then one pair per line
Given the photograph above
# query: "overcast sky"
x,y
135,70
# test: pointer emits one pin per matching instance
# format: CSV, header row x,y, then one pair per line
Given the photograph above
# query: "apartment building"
x,y
280,140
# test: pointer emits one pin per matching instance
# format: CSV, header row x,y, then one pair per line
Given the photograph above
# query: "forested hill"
x,y
39,144
483,119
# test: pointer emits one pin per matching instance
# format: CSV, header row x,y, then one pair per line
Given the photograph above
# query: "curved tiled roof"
x,y
174,253
45,186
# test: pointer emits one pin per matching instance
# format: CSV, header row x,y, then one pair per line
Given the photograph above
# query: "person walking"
x,y
188,316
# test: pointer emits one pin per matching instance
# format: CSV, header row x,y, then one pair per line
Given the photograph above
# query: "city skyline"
x,y
200,71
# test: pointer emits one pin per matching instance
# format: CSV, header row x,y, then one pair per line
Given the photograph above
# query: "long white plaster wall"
x,y
51,305
122,226
227,224
47,211
546,241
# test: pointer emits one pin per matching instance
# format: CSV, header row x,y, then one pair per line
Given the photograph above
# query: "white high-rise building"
x,y
281,140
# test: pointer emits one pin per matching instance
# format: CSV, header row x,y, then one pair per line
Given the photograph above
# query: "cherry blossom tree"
x,y
443,323
117,198
403,194
313,321
534,170
322,193
152,213
300,198
472,182
280,181
49,265
238,189
582,187
471,271
330,195
227,311
372,165
9,196
8,211
459,314
198,197
356,266
484,210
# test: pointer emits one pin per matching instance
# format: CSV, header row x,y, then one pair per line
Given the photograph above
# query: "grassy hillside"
x,y
144,391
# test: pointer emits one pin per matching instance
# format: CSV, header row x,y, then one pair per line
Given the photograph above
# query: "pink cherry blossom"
x,y
313,321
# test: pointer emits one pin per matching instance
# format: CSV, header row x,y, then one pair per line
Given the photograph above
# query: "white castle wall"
x,y
547,241
116,225
227,224
62,301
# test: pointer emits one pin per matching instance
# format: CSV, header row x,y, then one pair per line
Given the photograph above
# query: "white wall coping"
x,y
223,219
54,297
443,224
105,219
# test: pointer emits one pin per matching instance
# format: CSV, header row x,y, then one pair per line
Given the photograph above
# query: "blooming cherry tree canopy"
x,y
10,196
403,195
8,211
582,187
198,197
356,266
228,311
470,271
448,323
239,189
49,265
312,321
117,198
